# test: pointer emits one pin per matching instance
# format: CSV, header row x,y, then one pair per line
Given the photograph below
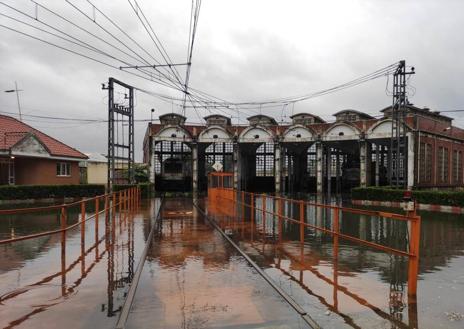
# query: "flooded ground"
x,y
39,288
192,278
358,286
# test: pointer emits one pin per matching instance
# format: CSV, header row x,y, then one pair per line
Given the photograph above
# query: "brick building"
x,y
28,156
308,155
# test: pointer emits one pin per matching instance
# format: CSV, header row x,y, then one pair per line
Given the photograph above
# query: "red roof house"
x,y
28,156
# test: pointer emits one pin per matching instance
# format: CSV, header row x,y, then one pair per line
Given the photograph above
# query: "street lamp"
x,y
152,111
16,90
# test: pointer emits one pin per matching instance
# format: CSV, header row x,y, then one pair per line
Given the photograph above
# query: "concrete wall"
x,y
37,171
97,173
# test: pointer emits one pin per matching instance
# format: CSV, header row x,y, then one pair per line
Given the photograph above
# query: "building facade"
x,y
30,157
308,155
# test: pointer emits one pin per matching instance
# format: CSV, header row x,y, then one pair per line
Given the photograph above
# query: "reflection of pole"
x,y
302,222
252,215
83,237
280,219
336,228
63,251
263,222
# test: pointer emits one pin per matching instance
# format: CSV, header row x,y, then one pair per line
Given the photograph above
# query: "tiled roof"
x,y
13,131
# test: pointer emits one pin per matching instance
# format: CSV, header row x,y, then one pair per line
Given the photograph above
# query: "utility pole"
x,y
16,90
398,147
120,141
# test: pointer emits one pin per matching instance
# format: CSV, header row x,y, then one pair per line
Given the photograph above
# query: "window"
x,y
311,163
428,159
265,160
457,166
443,164
425,163
63,169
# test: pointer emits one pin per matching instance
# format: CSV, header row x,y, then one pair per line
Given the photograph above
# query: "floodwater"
x,y
39,288
193,278
353,285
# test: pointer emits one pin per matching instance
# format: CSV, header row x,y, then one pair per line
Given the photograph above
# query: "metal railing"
x,y
126,200
248,199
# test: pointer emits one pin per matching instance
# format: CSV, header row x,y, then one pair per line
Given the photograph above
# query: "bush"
x,y
146,189
21,192
447,198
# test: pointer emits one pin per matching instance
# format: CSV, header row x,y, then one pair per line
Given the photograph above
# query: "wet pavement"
x,y
193,278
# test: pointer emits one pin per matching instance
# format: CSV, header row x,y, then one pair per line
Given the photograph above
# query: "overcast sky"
x,y
244,51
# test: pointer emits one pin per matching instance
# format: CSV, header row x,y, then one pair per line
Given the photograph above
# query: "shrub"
x,y
21,192
146,189
447,198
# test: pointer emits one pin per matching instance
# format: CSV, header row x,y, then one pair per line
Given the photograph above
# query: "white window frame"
x,y
64,169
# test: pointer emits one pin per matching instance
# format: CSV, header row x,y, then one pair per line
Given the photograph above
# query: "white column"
x,y
362,163
236,162
377,164
278,166
410,159
195,168
152,161
319,167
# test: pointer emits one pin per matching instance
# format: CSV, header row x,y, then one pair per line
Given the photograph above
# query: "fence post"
x,y
63,250
83,222
97,210
413,264
301,221
83,237
279,215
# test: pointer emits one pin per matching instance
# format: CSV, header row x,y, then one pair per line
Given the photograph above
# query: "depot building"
x,y
308,155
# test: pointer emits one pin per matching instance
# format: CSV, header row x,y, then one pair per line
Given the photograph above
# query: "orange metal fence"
x,y
226,199
126,200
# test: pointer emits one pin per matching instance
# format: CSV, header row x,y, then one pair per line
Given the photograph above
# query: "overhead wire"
x,y
141,59
78,42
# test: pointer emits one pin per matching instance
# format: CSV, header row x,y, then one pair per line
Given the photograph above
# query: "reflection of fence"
x,y
222,197
125,202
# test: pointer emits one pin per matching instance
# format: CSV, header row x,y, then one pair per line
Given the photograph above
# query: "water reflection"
x,y
80,257
344,266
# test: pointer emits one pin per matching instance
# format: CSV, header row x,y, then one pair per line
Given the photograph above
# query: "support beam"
x,y
319,188
364,163
278,167
152,162
195,168
236,162
377,165
329,170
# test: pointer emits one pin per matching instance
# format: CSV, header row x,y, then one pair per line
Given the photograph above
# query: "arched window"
x,y
220,153
265,160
